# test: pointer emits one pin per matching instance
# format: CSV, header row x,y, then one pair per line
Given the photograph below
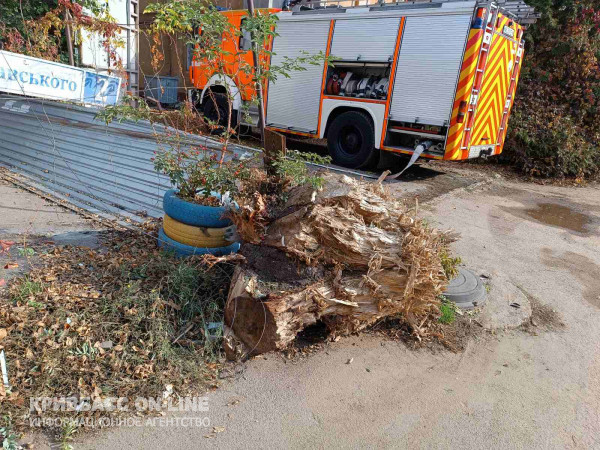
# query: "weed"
x,y
449,264
36,305
293,166
448,311
26,251
135,272
66,435
85,350
8,437
200,299
25,289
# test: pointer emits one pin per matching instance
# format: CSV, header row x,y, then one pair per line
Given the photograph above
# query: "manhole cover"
x,y
466,290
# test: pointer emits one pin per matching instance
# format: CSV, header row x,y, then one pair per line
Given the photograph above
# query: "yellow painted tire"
x,y
195,236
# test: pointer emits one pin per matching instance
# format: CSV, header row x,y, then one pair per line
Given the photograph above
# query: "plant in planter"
x,y
195,219
206,183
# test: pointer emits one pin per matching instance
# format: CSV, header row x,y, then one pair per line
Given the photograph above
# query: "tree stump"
x,y
347,255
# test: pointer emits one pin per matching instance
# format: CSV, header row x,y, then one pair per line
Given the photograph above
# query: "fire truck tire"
x,y
215,109
351,140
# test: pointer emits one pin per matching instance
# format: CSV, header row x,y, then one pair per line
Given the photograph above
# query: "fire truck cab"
x,y
436,78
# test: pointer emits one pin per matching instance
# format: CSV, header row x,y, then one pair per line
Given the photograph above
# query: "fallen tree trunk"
x,y
347,256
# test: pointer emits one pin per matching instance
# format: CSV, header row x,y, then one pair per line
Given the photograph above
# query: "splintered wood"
x,y
358,255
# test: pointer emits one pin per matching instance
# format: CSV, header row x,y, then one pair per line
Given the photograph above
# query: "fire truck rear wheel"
x,y
215,109
351,140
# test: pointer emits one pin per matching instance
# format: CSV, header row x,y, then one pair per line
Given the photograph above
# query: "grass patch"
x,y
123,321
447,312
26,288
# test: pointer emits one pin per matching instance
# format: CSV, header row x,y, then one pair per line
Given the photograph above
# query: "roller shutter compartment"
x,y
429,62
294,102
365,39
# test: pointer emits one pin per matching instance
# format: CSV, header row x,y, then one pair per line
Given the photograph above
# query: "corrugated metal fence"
x,y
105,169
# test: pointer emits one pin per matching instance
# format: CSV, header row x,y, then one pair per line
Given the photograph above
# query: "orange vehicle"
x,y
436,79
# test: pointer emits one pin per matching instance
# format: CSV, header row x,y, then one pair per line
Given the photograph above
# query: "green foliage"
x,y
38,27
36,304
8,437
195,297
66,435
293,168
86,350
190,16
555,125
448,311
26,251
15,12
199,175
25,289
130,108
449,264
200,300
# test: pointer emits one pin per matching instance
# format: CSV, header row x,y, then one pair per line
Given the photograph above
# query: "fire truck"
x,y
437,78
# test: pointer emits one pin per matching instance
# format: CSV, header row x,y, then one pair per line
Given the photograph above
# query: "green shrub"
x,y
555,124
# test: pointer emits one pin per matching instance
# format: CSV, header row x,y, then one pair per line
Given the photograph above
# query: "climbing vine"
x,y
44,36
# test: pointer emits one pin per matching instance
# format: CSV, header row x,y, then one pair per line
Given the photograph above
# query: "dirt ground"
x,y
534,387
32,223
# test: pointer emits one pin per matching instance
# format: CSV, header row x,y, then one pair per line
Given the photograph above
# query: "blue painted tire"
x,y
168,244
193,214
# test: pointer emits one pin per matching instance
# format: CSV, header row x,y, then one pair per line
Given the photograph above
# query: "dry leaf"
x,y
5,246
3,333
218,429
11,266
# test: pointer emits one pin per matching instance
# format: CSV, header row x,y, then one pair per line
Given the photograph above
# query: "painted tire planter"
x,y
197,236
180,249
193,214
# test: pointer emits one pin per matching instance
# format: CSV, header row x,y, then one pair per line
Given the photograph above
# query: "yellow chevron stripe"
x,y
517,74
494,90
455,132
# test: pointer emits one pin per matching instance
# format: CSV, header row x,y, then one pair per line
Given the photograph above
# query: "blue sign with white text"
x,y
100,89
